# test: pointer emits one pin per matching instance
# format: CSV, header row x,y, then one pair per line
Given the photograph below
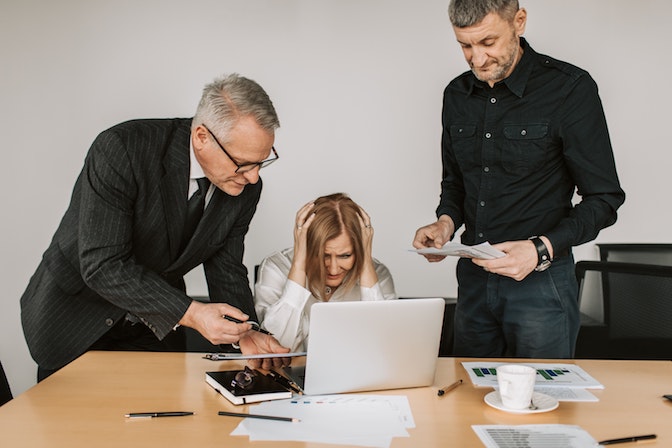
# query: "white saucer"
x,y
544,403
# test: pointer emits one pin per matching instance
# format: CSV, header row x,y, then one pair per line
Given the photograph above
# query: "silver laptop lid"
x,y
364,346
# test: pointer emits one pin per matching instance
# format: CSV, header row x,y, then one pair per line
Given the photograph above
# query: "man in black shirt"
x,y
521,132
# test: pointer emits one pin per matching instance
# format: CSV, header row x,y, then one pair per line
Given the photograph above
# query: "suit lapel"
x,y
174,186
206,227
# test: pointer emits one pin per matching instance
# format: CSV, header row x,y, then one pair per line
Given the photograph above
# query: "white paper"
x,y
531,436
567,393
548,375
371,420
483,250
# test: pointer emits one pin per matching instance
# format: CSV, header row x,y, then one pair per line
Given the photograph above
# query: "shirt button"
x,y
488,135
109,322
480,235
486,169
482,203
493,100
523,132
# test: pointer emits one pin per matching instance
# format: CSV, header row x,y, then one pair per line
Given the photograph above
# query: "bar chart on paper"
x,y
548,375
530,436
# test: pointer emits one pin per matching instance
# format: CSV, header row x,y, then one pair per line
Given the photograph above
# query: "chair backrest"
x,y
5,391
636,298
646,253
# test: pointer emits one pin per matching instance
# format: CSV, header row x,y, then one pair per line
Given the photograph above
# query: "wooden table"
x,y
83,405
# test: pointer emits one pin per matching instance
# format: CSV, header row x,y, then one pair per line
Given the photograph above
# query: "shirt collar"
x,y
517,80
195,169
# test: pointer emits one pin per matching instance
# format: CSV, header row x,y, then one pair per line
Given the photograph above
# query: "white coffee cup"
x,y
516,385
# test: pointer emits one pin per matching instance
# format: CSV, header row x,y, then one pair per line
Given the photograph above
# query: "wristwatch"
x,y
543,257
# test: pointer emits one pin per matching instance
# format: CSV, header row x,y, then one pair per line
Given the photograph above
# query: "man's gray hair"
x,y
465,13
227,99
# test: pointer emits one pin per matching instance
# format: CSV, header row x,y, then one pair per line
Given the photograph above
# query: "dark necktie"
x,y
195,207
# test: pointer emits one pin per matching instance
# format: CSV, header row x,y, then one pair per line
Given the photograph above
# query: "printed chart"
x,y
548,375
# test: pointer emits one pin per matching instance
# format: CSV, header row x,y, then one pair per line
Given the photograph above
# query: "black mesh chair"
x,y
5,391
631,305
646,253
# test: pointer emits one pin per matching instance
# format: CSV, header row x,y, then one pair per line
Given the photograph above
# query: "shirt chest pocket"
x,y
525,147
464,144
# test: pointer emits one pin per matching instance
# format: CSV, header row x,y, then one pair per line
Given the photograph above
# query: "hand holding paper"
x,y
483,251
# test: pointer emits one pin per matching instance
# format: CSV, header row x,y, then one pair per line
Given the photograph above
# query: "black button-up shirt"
x,y
514,155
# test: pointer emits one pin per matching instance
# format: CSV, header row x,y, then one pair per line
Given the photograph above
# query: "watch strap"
x,y
543,256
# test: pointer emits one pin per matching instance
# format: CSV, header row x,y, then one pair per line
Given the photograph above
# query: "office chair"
x,y
448,330
646,253
632,304
5,391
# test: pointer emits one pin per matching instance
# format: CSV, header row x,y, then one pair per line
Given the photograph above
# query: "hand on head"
x,y
367,233
303,219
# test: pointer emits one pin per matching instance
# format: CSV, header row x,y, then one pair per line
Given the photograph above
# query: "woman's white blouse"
x,y
283,306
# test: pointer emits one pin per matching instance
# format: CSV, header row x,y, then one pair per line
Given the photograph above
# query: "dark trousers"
x,y
132,336
497,316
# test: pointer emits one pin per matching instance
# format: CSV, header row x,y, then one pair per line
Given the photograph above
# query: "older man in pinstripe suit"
x,y
112,277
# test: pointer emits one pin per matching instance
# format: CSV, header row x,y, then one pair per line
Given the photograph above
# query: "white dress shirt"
x,y
283,306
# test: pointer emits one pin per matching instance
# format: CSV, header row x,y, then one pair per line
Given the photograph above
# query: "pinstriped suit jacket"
x,y
116,249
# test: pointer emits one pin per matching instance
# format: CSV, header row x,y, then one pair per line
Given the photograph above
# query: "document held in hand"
x,y
246,386
483,250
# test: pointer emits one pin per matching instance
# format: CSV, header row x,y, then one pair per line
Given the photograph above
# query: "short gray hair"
x,y
465,13
230,97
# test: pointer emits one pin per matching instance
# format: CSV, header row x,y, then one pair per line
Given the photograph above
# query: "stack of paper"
x,y
483,250
371,420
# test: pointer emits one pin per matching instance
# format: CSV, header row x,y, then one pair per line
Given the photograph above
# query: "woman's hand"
x,y
304,217
369,276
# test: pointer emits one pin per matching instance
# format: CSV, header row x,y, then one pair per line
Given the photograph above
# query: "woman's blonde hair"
x,y
334,214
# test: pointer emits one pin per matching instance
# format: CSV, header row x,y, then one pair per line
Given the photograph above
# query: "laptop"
x,y
366,346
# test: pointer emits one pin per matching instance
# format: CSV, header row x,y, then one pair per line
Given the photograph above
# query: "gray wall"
x,y
357,85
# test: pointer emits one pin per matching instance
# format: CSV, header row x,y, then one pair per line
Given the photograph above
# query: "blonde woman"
x,y
331,261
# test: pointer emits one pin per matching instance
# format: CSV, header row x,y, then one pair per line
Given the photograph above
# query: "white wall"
x,y
357,85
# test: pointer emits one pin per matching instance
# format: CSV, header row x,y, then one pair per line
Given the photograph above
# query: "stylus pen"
x,y
449,388
627,439
265,417
255,326
157,414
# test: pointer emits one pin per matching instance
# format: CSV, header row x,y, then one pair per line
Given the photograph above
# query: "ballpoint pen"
x,y
627,439
157,414
255,326
264,417
448,388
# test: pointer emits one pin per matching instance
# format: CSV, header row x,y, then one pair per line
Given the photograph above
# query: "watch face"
x,y
543,266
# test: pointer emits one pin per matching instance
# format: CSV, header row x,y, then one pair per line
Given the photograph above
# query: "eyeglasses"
x,y
244,378
244,167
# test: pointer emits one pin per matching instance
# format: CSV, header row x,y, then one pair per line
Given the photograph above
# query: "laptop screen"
x,y
364,346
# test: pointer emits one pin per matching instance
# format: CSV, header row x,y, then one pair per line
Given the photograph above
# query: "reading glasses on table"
x,y
244,379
